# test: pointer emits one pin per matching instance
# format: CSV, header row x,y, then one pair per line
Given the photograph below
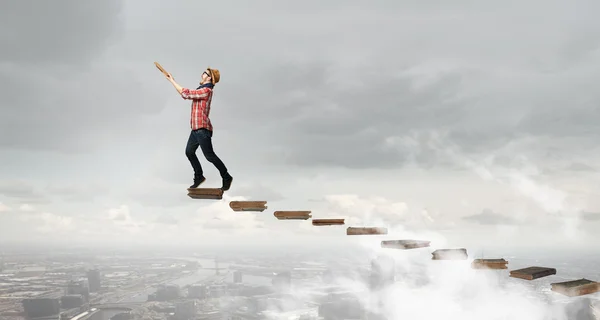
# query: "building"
x,y
218,290
79,287
185,310
191,265
71,301
94,280
168,292
41,307
237,277
197,291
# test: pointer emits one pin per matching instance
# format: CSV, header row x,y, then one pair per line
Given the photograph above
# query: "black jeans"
x,y
203,138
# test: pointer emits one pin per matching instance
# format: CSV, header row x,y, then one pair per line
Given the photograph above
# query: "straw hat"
x,y
215,75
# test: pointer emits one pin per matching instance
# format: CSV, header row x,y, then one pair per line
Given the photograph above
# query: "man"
x,y
202,130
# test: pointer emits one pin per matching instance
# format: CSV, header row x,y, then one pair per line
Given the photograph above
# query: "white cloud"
x,y
55,223
369,208
45,223
122,218
377,211
26,208
520,174
427,289
120,214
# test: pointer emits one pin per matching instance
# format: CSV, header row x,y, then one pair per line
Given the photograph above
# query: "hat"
x,y
215,75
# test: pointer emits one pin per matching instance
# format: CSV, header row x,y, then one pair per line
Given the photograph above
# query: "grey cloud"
x,y
488,217
487,92
75,114
58,93
18,189
566,117
482,104
27,192
476,140
591,216
582,167
298,91
22,191
56,34
339,91
317,122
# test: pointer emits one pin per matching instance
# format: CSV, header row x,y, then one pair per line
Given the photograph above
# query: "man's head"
x,y
210,76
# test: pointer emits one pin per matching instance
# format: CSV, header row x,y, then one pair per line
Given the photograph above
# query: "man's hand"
x,y
175,84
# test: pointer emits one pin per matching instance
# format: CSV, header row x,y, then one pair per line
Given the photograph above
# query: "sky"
x,y
471,124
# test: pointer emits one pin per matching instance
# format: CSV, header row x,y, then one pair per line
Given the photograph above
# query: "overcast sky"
x,y
465,123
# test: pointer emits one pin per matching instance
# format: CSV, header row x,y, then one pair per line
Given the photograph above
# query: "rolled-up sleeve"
x,y
198,94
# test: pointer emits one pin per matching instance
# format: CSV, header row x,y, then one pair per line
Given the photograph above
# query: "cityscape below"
x,y
123,286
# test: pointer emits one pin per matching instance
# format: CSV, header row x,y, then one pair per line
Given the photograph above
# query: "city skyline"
x,y
389,285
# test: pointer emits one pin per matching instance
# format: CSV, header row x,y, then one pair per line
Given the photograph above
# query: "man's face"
x,y
205,76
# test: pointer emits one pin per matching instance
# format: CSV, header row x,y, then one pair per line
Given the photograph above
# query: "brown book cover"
x,y
248,205
576,288
205,193
450,254
292,215
354,231
327,222
532,273
404,244
489,264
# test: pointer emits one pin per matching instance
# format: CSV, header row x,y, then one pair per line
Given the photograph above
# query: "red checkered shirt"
x,y
201,99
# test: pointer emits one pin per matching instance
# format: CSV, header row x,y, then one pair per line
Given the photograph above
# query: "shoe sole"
x,y
192,186
229,185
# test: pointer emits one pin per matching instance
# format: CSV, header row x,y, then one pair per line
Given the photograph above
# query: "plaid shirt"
x,y
201,99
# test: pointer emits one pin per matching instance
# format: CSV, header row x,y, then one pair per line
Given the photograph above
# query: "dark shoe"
x,y
197,182
227,183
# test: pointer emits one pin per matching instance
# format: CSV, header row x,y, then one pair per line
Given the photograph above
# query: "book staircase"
x,y
572,288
